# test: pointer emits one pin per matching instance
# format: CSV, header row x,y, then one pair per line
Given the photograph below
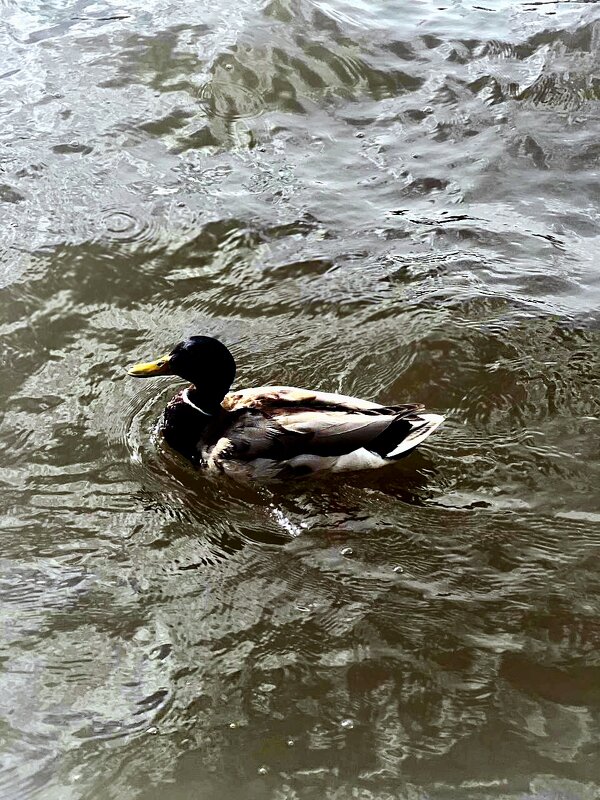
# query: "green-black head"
x,y
203,361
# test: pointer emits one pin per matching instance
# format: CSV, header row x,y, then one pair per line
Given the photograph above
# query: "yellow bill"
x,y
151,368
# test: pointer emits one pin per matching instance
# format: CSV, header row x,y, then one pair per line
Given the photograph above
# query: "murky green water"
x,y
395,200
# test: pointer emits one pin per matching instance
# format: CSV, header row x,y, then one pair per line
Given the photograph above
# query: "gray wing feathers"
x,y
285,436
254,434
334,433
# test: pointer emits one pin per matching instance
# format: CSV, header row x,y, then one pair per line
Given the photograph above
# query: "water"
x,y
398,201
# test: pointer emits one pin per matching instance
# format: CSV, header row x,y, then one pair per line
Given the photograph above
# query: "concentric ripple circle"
x,y
231,100
118,225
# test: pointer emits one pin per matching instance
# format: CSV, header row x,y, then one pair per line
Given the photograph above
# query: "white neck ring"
x,y
186,399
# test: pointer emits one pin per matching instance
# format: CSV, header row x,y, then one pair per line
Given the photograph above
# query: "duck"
x,y
275,432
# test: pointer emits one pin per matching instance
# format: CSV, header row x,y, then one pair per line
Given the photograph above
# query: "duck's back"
x,y
269,397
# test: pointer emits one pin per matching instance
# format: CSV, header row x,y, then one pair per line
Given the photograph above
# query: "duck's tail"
x,y
422,426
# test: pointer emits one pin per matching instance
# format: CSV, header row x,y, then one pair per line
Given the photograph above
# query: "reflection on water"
x,y
395,203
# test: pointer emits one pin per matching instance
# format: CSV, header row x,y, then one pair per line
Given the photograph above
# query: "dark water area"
x,y
393,200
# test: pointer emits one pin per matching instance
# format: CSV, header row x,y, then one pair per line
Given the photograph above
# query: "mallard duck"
x,y
276,431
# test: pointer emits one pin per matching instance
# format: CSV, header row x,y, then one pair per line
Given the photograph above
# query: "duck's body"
x,y
280,431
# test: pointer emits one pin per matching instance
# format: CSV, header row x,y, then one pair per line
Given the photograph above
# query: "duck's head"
x,y
203,361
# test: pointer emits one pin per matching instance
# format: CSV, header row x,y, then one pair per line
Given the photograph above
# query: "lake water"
x,y
393,200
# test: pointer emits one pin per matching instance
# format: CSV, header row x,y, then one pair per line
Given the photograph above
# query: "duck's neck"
x,y
207,404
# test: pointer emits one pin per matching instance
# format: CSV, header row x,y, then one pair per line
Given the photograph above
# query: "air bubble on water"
x,y
398,569
347,551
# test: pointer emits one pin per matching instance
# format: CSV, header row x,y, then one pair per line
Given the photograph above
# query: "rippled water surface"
x,y
394,200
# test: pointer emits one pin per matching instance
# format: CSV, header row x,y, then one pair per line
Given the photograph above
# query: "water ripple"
x,y
124,227
230,101
397,206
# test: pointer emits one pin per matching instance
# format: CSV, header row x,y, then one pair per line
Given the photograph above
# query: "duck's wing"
x,y
337,433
